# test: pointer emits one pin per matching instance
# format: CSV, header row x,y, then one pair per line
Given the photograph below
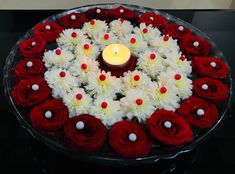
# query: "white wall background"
x,y
158,4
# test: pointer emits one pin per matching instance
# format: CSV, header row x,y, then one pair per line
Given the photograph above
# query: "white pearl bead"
x,y
73,17
33,43
167,124
29,64
35,87
196,43
48,114
98,11
200,112
80,125
121,11
213,64
151,18
204,86
48,27
181,28
132,137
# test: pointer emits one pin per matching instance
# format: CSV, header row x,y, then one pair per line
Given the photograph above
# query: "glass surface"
x,y
100,156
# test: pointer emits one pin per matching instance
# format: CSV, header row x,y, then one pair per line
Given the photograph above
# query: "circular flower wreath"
x,y
87,99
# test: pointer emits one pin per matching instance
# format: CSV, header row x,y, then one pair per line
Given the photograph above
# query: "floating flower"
x,y
103,84
137,103
70,38
77,101
58,57
107,110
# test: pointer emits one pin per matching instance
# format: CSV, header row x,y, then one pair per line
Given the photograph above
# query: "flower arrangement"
x,y
154,99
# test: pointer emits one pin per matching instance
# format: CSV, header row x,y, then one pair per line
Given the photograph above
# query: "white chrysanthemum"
x,y
95,26
104,39
60,80
180,63
103,84
88,50
81,68
147,32
58,58
151,63
135,43
70,38
137,103
120,28
77,101
107,110
165,45
182,84
165,95
135,80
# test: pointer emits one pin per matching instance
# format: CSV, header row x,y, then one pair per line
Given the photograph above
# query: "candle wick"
x,y
115,50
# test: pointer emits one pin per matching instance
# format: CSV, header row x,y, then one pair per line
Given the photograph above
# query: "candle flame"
x,y
115,50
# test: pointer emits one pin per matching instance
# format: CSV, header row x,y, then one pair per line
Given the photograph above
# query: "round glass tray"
x,y
102,156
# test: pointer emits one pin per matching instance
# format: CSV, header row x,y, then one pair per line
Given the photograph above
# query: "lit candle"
x,y
116,55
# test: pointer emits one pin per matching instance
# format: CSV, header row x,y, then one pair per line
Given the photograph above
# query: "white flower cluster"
x,y
160,80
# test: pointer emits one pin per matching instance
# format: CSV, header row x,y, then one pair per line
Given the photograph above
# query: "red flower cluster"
x,y
73,20
48,30
123,13
210,67
30,92
89,136
215,91
192,46
152,18
49,116
28,68
169,128
199,113
98,13
176,31
129,139
33,47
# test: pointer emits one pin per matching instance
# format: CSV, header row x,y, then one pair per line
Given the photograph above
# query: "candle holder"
x,y
117,71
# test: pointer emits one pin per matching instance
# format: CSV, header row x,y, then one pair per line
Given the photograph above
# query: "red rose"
x,y
176,31
154,19
193,46
210,67
213,90
98,13
169,128
85,133
30,92
49,116
123,13
28,68
32,47
129,139
73,20
48,30
198,113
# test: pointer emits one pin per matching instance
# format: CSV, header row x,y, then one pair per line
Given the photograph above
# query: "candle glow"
x,y
116,55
